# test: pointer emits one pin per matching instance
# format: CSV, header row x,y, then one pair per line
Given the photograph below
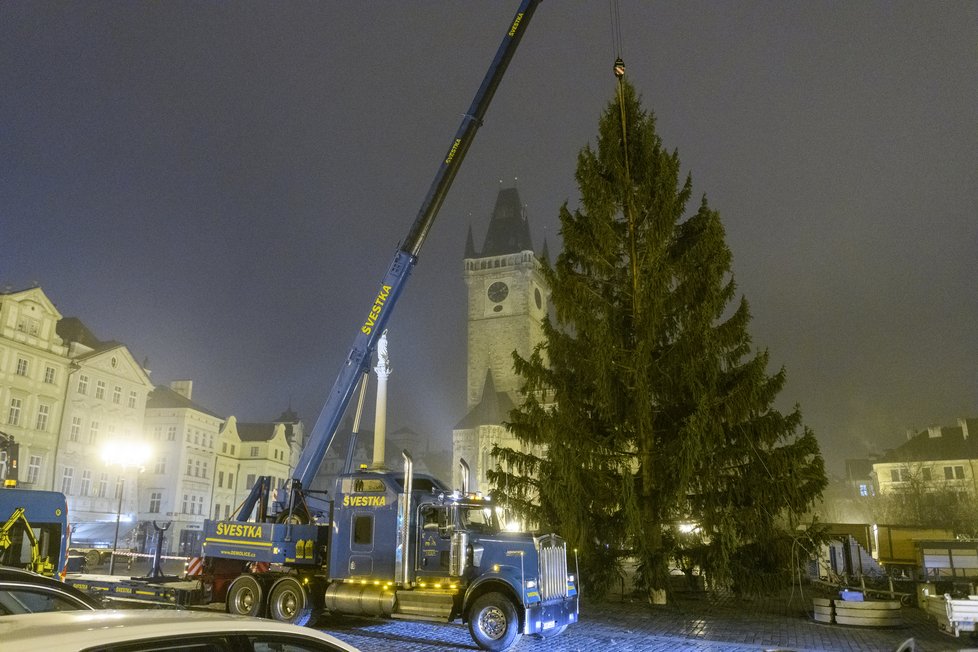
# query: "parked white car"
x,y
144,630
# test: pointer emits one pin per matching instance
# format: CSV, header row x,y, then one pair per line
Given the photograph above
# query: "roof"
x,y
493,409
162,397
938,443
77,630
509,230
256,431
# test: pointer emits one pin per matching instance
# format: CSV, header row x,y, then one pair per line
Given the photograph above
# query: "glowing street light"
x,y
127,455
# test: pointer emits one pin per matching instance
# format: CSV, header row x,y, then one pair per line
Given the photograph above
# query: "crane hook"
x,y
619,68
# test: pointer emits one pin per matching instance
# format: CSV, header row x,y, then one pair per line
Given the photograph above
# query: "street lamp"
x,y
126,455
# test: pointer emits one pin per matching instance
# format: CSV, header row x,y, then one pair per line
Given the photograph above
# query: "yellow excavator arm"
x,y
38,564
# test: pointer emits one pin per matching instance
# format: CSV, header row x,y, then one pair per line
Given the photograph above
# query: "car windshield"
x,y
478,518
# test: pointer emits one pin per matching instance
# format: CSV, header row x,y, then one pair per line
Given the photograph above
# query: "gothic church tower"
x,y
507,299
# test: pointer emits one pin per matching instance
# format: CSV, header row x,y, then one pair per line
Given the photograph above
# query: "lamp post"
x,y
126,455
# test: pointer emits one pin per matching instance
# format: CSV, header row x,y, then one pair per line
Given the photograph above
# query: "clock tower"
x,y
507,301
507,298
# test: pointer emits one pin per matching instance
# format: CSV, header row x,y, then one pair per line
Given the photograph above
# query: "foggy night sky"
x,y
221,186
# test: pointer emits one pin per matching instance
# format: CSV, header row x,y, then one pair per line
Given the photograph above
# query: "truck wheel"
x,y
246,597
289,602
93,558
493,622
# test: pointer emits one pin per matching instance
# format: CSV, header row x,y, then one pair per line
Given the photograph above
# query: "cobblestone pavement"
x,y
691,622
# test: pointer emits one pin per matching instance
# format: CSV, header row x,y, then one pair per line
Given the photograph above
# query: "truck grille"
x,y
553,567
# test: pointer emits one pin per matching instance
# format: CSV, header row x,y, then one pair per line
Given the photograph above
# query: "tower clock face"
x,y
498,291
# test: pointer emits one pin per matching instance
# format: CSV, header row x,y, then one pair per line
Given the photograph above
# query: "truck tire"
x,y
289,602
246,597
93,558
493,622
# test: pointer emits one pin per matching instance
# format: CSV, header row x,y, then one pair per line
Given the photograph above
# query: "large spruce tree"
x,y
647,418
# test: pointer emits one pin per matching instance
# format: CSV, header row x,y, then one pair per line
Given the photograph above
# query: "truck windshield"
x,y
478,518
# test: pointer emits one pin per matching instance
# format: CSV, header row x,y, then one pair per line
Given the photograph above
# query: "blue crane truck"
x,y
392,544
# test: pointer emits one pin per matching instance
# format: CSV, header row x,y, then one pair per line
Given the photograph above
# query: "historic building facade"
x,y
507,301
73,402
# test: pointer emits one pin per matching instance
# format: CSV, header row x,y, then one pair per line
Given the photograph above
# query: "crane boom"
x,y
391,287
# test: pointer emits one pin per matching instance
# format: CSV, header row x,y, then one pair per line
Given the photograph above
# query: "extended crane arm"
x,y
406,257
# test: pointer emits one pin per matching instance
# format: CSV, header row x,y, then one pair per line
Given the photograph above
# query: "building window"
x,y
42,417
197,469
117,395
100,389
132,399
190,467
82,384
184,506
118,488
217,511
155,499
103,485
251,481
158,433
954,473
204,472
220,479
899,475
33,469
232,449
171,433
75,429
160,467
93,432
49,375
28,325
224,447
86,483
193,504
926,475
363,530
230,481
227,512
863,489
254,451
66,477
21,367
13,416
